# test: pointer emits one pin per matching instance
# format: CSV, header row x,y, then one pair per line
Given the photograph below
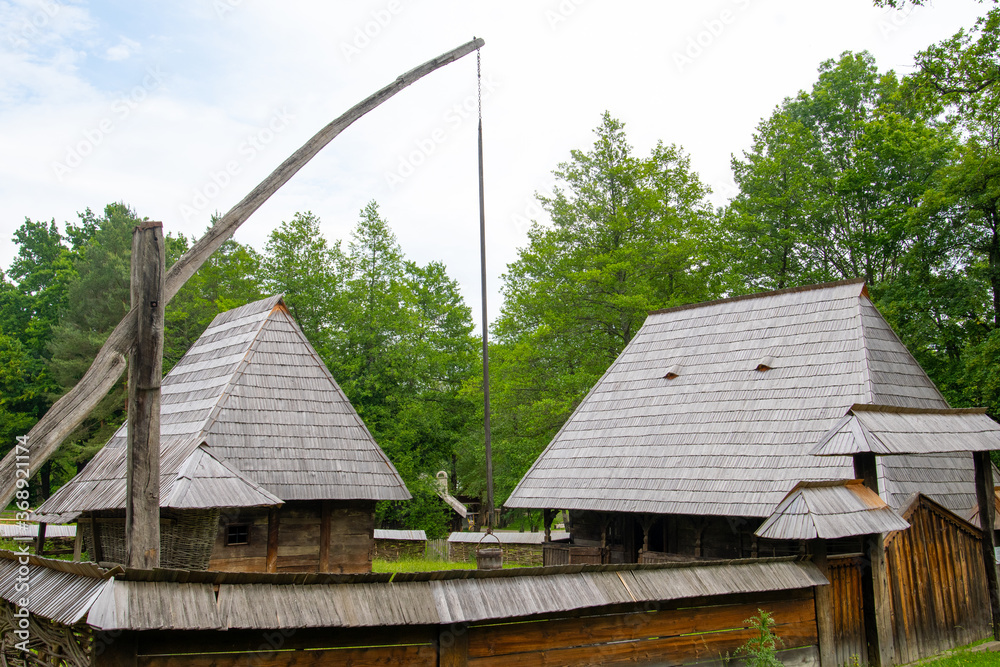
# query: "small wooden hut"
x,y
708,417
264,464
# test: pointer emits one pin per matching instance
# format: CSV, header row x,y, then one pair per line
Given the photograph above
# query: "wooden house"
x,y
264,464
707,420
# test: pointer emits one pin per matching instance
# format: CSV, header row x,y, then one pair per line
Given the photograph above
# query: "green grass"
x,y
963,657
423,565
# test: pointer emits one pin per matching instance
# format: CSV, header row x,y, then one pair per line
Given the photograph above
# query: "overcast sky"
x,y
179,109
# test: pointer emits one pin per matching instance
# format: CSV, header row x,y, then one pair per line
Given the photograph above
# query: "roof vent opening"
x,y
766,364
672,372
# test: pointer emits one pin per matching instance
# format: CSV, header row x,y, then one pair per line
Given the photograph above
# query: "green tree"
x,y
826,189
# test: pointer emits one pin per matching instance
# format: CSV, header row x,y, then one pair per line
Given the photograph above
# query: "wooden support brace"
x,y
547,517
987,515
142,499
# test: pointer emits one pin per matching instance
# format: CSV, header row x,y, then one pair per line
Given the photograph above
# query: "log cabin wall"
x,y
348,532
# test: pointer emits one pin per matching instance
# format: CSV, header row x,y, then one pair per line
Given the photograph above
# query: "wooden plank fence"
x,y
936,583
937,588
703,631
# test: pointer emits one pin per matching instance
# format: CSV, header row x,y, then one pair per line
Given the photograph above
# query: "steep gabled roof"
x,y
756,382
253,406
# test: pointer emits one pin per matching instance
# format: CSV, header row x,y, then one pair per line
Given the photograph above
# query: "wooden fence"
x,y
936,585
703,630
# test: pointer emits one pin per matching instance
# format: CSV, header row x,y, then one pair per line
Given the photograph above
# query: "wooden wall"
x,y
312,536
937,588
678,633
937,583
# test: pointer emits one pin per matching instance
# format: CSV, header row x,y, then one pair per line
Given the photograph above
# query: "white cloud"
x,y
123,50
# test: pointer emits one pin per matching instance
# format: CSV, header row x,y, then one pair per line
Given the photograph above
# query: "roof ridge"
x,y
759,295
867,382
244,362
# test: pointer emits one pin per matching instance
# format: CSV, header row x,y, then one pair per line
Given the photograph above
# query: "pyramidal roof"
x,y
249,416
714,408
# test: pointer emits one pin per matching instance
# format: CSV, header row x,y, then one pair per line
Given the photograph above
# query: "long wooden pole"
x,y
145,369
69,411
486,338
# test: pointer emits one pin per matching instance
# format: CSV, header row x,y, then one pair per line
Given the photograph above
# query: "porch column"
x,y
874,580
987,514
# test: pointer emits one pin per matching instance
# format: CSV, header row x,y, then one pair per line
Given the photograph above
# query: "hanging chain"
x,y
479,83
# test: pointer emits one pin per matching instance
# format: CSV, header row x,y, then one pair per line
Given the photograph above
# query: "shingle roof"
x,y
830,510
888,430
249,416
723,438
124,599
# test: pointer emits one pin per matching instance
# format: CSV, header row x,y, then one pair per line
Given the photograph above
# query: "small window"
x,y
237,534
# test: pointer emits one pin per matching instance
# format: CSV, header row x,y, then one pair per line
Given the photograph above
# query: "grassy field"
x,y
422,565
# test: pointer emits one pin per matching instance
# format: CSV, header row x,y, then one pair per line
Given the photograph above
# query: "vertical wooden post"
x,y
272,540
875,580
547,517
324,537
453,646
95,532
987,515
824,608
40,540
145,370
78,544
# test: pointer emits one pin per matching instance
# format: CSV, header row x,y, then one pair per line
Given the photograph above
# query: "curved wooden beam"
x,y
69,411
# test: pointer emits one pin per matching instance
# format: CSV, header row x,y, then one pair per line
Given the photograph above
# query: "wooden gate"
x,y
848,618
